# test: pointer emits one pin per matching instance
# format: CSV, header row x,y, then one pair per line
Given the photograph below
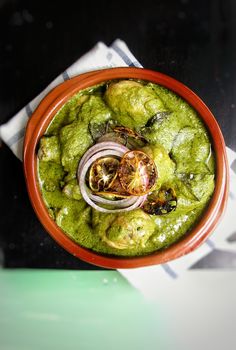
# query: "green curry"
x,y
175,139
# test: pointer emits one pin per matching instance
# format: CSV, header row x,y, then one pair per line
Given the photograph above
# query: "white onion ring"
x,y
82,171
93,150
125,202
143,199
99,147
97,151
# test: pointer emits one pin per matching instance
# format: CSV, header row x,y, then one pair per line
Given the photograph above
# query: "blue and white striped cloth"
x,y
101,56
148,278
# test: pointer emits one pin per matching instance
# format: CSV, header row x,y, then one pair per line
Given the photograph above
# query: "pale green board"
x,y
48,309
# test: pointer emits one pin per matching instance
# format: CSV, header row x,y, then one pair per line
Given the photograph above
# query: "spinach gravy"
x,y
150,119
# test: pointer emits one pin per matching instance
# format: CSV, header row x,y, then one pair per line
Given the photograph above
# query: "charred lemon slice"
x,y
124,131
103,173
137,173
114,190
163,203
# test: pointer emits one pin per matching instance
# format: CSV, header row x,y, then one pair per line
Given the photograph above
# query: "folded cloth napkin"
x,y
100,56
118,55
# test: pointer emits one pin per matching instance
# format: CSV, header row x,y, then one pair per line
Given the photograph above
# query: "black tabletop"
x,y
192,41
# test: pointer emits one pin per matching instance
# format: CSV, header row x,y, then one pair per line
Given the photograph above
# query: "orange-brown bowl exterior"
x,y
38,124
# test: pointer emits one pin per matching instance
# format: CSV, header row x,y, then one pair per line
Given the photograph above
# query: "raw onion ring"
x,y
82,171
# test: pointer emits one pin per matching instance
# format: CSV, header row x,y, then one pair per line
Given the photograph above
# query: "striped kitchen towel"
x,y
99,57
119,55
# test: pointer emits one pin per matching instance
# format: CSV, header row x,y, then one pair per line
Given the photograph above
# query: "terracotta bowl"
x,y
41,119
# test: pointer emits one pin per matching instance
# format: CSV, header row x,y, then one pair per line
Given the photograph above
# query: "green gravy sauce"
x,y
177,141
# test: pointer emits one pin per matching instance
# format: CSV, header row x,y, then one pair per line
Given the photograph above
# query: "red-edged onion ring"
x,y
82,171
100,147
93,150
118,203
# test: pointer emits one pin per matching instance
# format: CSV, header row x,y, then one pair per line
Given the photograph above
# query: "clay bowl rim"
x,y
47,109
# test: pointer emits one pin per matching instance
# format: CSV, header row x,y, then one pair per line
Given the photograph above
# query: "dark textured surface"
x,y
193,41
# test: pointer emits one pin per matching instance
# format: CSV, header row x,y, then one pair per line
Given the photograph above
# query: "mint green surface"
x,y
47,309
